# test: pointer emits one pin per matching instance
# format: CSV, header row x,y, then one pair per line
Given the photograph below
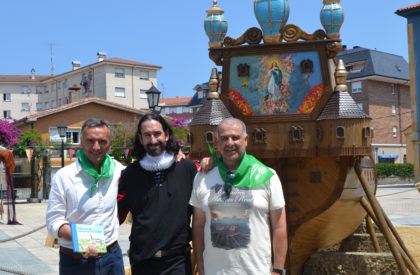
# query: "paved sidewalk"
x,y
29,255
401,202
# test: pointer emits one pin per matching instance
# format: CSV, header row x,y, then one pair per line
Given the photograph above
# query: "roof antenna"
x,y
52,58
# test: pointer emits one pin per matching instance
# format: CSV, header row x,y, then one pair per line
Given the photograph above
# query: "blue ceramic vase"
x,y
272,16
215,25
332,17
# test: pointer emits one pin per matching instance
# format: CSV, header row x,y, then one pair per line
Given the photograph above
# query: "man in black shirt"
x,y
156,190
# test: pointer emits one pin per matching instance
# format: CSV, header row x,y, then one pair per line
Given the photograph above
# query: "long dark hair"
x,y
171,145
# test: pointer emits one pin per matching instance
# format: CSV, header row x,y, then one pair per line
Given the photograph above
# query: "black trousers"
x,y
169,265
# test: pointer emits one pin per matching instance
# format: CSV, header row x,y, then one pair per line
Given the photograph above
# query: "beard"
x,y
155,149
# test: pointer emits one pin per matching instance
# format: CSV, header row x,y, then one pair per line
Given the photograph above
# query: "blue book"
x,y
83,235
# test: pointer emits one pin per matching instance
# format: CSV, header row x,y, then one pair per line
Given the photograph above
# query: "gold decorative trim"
x,y
292,33
252,36
333,49
216,56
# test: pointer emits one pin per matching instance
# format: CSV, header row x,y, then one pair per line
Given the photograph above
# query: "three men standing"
x,y
239,215
156,190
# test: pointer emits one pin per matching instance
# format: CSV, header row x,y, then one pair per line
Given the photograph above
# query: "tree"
x,y
122,138
9,133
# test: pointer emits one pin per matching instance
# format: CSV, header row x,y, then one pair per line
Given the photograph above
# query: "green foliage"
x,y
29,138
395,169
180,129
122,138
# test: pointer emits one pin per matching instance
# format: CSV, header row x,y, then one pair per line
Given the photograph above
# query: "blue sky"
x,y
166,33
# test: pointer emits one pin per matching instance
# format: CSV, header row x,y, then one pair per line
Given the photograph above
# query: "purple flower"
x,y
9,133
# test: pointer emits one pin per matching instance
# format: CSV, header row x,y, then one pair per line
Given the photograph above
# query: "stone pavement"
x,y
29,255
401,202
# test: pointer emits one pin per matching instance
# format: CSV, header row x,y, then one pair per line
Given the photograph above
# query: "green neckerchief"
x,y
250,173
107,168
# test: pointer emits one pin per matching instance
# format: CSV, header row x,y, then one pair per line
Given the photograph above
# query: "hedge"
x,y
395,169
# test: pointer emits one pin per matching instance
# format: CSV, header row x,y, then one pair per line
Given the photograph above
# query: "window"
x,y
25,90
393,89
143,93
7,114
7,97
39,107
339,132
25,107
178,110
360,105
119,92
119,73
356,87
144,75
394,110
200,94
38,90
73,135
209,137
186,110
53,104
65,83
53,87
355,67
46,106
394,131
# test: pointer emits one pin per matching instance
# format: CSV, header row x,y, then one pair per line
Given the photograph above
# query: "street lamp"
x,y
153,95
62,130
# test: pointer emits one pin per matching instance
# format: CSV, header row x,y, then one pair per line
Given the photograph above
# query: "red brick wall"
x,y
377,99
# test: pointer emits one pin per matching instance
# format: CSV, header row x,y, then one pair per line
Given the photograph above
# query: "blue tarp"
x,y
388,156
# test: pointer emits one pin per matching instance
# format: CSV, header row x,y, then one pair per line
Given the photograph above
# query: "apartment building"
x,y
379,83
114,79
176,106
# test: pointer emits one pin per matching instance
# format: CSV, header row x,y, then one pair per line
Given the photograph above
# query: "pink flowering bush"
x,y
180,129
9,133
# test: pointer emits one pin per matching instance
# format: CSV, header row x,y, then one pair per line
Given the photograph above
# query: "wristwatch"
x,y
280,271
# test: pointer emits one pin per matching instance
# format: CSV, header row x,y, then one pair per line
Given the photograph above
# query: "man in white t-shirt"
x,y
239,219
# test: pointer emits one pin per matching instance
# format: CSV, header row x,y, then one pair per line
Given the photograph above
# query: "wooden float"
x,y
291,93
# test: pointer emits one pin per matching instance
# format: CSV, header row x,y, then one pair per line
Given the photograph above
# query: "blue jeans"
x,y
109,264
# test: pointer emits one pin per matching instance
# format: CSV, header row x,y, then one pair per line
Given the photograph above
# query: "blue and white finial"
x,y
272,16
332,17
215,25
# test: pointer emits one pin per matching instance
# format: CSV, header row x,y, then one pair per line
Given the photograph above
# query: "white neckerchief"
x,y
161,162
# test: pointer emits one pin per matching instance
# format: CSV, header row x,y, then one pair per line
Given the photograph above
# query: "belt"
x,y
170,252
78,256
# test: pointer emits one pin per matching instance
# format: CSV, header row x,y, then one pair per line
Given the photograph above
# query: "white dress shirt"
x,y
70,201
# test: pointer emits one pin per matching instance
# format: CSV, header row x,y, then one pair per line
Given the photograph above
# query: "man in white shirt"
x,y
239,215
85,192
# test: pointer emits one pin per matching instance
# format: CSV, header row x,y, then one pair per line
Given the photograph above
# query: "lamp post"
x,y
153,95
62,129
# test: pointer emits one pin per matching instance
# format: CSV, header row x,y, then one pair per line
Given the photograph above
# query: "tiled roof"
x,y
24,78
376,64
212,112
406,10
174,101
341,106
40,78
128,62
78,103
